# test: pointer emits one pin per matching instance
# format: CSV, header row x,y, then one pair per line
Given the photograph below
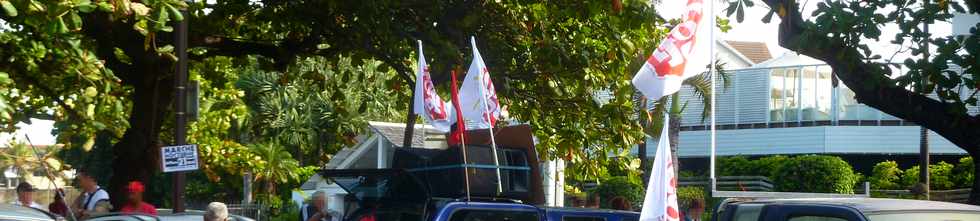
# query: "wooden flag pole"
x,y
461,129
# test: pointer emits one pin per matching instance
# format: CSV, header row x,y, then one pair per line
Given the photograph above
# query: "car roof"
x,y
15,212
585,210
872,205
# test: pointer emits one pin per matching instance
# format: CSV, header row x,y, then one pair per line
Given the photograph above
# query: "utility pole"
x,y
180,106
923,132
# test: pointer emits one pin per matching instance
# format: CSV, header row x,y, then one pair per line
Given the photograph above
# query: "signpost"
x,y
179,158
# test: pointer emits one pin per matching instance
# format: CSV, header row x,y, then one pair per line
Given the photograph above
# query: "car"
x,y
162,215
583,214
844,209
10,212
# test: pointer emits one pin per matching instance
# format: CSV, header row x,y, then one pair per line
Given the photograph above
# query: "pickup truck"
x,y
844,209
397,195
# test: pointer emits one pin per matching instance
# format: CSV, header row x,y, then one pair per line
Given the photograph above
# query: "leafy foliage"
x,y
963,173
940,176
885,175
742,166
813,173
630,188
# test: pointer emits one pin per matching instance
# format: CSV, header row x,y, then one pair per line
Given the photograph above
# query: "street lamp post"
x,y
180,106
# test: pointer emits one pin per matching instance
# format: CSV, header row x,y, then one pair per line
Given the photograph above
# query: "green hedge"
x,y
629,187
886,175
813,173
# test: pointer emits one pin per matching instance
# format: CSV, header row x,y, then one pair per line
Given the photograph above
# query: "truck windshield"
x,y
487,215
925,216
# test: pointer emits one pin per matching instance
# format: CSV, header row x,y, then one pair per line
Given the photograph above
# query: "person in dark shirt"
x,y
59,206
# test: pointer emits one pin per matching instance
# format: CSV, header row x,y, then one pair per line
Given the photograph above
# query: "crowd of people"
x,y
92,200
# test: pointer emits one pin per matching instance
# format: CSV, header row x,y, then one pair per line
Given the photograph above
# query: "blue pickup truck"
x,y
398,195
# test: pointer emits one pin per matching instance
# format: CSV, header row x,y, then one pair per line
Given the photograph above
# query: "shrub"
x,y
812,173
963,173
886,175
688,194
734,166
629,188
940,176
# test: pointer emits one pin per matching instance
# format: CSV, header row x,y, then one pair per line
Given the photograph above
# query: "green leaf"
x,y
76,21
768,16
740,16
176,14
9,8
86,8
91,92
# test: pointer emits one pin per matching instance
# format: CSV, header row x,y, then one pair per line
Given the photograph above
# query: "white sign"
x,y
179,158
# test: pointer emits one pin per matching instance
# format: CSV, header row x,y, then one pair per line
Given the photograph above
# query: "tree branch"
x,y
870,84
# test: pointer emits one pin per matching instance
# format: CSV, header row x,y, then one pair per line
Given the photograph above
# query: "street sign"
x,y
179,158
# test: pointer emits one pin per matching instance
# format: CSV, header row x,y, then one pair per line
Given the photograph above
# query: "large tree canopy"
x,y
840,32
107,65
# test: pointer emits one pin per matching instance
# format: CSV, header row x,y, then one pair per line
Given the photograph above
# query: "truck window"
x,y
747,212
582,218
493,215
815,218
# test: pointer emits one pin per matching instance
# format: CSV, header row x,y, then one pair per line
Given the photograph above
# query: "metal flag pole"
x,y
486,107
37,154
711,71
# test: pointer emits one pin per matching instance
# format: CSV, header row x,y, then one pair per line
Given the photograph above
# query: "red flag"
x,y
457,133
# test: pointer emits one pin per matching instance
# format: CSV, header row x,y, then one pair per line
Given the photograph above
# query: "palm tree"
x,y
276,165
652,119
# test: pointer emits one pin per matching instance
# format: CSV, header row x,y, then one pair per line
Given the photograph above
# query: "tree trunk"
x,y
674,130
135,154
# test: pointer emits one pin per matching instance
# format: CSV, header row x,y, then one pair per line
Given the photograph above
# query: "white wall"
x,y
802,140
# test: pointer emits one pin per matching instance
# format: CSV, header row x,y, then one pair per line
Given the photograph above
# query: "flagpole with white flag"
x,y
660,202
483,72
711,71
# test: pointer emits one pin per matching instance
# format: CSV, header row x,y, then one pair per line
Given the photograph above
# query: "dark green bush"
x,y
630,188
742,166
963,173
812,173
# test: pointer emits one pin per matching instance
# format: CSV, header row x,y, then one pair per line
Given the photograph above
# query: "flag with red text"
x,y
477,97
427,101
660,202
683,54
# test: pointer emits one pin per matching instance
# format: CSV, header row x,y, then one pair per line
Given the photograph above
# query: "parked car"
x,y
10,212
844,209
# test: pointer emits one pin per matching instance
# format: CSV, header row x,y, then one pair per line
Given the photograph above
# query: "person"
x,y
134,200
93,199
217,211
317,210
59,206
620,203
693,210
25,196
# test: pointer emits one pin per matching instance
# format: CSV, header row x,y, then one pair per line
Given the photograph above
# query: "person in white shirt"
x,y
317,210
217,211
92,198
25,196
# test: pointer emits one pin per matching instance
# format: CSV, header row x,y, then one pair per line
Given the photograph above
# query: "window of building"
x,y
776,90
808,93
792,95
825,93
847,107
484,214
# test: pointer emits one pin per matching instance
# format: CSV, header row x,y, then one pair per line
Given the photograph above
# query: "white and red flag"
x,y
683,54
660,202
477,97
427,101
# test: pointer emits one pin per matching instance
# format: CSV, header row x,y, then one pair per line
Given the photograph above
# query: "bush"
x,y
963,173
812,173
629,188
886,175
940,176
742,166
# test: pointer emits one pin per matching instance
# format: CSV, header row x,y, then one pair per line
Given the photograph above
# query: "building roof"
x,y
395,133
757,52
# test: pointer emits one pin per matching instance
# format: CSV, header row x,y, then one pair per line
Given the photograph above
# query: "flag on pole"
x,y
457,135
477,97
660,202
427,101
683,54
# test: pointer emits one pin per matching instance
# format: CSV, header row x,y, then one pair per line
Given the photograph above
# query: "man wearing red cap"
x,y
134,200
